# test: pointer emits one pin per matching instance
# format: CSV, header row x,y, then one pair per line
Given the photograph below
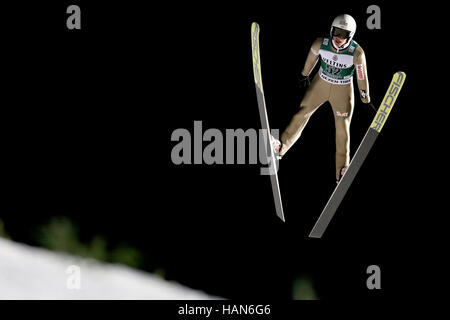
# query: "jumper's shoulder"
x,y
317,43
319,40
359,57
359,51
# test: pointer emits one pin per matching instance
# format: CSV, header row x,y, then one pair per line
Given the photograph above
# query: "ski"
x,y
360,155
273,161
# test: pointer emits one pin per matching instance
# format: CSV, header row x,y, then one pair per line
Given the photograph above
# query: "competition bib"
x,y
336,68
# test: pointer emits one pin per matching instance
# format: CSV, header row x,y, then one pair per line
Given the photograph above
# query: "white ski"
x,y
360,155
273,161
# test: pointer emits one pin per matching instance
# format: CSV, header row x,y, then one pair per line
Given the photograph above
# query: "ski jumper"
x,y
333,83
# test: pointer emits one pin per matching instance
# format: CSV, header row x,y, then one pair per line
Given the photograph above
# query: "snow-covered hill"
x,y
34,273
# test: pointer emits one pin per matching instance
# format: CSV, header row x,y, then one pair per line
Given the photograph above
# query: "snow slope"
x,y
34,273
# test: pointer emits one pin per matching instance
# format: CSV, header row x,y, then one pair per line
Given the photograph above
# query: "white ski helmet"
x,y
343,25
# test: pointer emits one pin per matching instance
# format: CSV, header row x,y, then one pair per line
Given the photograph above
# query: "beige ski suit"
x,y
340,96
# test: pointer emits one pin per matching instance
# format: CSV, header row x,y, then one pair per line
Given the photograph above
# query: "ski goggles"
x,y
341,33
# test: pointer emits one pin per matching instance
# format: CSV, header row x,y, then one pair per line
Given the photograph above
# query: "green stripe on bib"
x,y
335,67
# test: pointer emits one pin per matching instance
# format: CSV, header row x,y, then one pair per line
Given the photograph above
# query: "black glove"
x,y
370,106
304,82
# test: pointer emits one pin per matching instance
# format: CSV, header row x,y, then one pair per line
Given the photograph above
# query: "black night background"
x,y
87,139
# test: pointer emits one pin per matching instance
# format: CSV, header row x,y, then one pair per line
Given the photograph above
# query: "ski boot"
x,y
341,173
276,146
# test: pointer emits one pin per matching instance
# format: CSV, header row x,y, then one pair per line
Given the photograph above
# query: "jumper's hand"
x,y
304,82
